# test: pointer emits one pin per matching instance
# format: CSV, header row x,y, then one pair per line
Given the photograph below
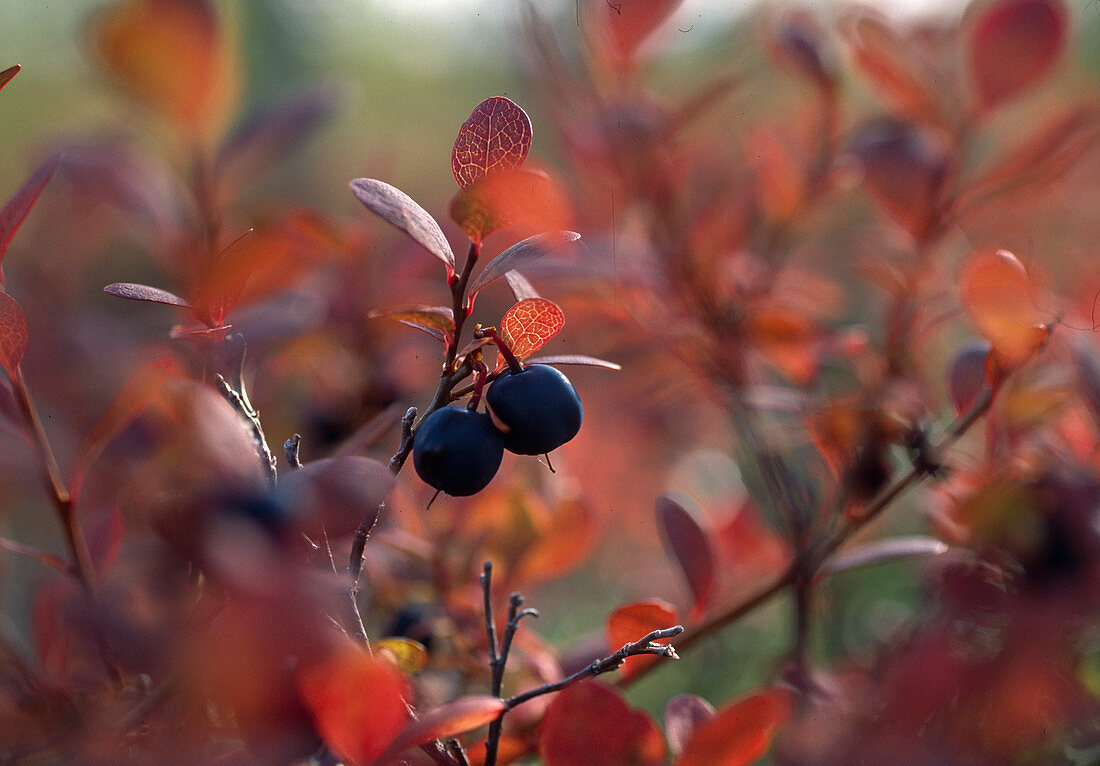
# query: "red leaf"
x,y
135,292
739,733
887,61
995,290
627,23
437,321
529,324
7,74
356,701
520,254
448,720
561,545
13,334
16,209
506,197
398,209
683,714
590,724
631,622
496,136
1012,45
333,495
691,546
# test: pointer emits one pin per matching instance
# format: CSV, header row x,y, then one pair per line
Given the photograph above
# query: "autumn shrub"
x,y
832,314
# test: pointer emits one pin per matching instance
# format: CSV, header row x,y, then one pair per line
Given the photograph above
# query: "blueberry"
x,y
537,408
457,450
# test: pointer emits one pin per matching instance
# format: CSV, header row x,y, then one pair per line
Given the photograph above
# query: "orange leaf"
x,y
627,23
591,724
448,720
996,292
506,197
409,656
13,334
496,136
887,61
631,622
170,55
739,733
356,701
561,545
1014,44
437,321
529,324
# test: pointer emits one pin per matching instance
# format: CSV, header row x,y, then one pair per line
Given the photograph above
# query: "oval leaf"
x,y
631,622
996,292
7,74
887,60
691,546
519,254
398,209
739,733
884,551
682,714
449,720
409,656
1012,45
506,197
590,361
496,136
627,23
967,377
16,209
356,701
13,334
521,288
135,292
591,724
437,321
529,324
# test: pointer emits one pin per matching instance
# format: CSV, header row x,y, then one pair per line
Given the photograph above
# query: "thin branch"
x,y
498,661
645,645
241,404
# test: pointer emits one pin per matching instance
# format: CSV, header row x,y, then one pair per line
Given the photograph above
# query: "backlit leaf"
x,y
409,656
691,546
529,324
7,74
496,136
1012,45
740,733
135,292
590,361
682,714
171,56
967,374
437,321
506,197
884,551
356,701
15,210
627,23
995,291
398,209
447,720
631,622
591,724
520,254
13,334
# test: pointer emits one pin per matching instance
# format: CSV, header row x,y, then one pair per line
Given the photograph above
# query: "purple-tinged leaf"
x,y
967,376
7,74
333,495
884,551
272,131
520,254
437,321
398,209
682,714
690,544
590,361
15,211
135,292
11,417
521,288
13,334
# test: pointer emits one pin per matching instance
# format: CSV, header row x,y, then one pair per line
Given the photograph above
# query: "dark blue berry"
x,y
537,409
457,450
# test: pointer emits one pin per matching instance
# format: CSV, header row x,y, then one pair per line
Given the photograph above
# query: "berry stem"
x,y
513,363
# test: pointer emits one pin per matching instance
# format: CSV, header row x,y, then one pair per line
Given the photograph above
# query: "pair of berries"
x,y
530,412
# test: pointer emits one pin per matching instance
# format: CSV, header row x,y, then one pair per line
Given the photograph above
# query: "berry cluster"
x,y
531,411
